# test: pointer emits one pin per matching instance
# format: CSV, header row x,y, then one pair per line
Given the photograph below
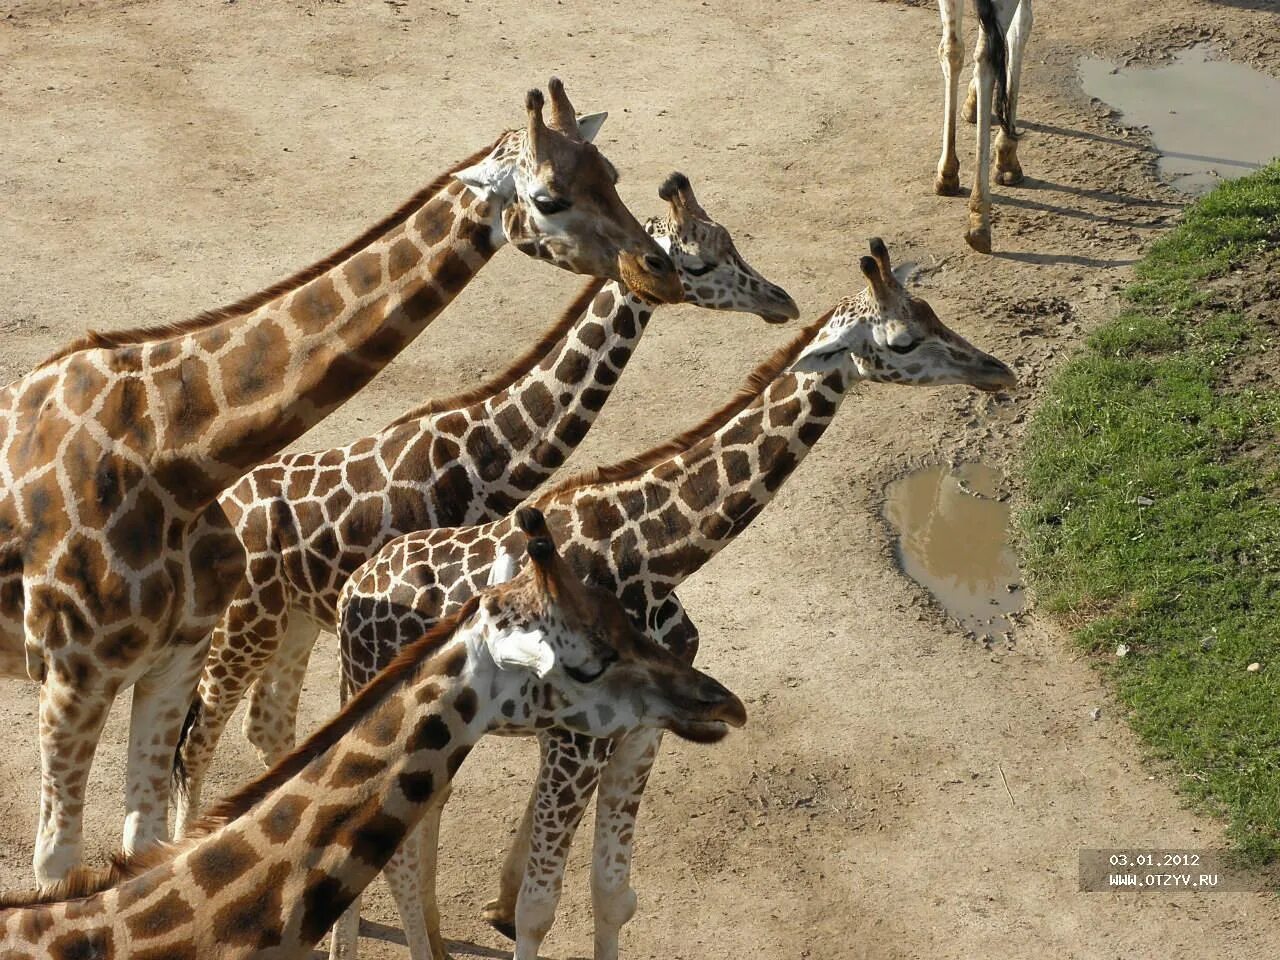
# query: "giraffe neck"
x,y
485,457
234,393
319,827
669,520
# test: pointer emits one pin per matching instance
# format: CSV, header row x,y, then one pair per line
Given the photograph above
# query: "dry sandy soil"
x,y
161,158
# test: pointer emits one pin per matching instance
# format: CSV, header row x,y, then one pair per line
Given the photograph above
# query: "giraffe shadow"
x,y
386,933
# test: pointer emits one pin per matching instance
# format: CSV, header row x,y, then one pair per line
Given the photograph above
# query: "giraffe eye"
x,y
904,348
700,270
582,675
548,205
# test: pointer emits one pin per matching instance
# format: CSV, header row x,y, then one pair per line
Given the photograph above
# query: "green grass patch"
x,y
1152,514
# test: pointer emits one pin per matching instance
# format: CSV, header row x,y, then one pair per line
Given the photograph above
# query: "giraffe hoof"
x,y
499,916
946,185
970,111
1009,177
980,240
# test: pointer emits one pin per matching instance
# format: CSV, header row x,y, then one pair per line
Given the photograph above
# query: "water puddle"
x,y
1211,120
953,539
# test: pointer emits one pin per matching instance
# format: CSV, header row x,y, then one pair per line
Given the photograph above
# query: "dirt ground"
x,y
161,158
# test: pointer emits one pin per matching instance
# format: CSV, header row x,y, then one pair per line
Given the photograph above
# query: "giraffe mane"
x,y
758,380
84,882
110,339
526,362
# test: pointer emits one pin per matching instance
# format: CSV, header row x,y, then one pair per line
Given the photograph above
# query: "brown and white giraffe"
x,y
115,559
1004,28
308,520
641,527
273,866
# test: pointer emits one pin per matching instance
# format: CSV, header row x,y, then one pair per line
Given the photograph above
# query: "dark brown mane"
x,y
110,339
526,362
87,881
759,379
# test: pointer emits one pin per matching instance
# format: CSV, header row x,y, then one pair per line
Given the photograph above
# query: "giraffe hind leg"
x,y
951,58
1008,169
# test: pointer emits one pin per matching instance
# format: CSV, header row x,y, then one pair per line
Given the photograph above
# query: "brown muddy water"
x,y
1210,120
953,539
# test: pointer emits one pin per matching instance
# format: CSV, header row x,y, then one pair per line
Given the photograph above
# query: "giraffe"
x,y
115,558
272,867
1004,28
308,520
641,527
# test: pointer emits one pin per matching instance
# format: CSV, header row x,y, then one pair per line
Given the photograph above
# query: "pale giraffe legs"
x,y
979,233
951,57
500,912
271,719
236,657
161,698
71,720
411,877
613,901
1008,170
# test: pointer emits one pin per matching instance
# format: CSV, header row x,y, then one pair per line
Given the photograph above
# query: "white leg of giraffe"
x,y
951,57
563,793
500,912
618,798
344,938
271,719
1008,170
979,233
411,877
72,714
161,698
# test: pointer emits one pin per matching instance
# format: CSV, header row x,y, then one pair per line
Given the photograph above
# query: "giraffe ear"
x,y
590,125
523,649
504,568
489,178
821,352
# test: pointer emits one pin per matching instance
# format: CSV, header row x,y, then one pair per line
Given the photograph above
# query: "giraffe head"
x,y
886,334
555,195
711,270
566,654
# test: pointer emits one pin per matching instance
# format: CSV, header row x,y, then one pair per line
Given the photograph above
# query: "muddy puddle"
x,y
953,539
1210,120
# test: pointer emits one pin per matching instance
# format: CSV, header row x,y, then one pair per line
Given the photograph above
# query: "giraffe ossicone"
x,y
275,865
642,527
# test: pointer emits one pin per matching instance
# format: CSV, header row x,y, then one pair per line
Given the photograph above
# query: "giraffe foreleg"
x,y
411,877
500,912
161,698
951,57
73,711
621,789
1008,169
344,938
271,720
571,765
979,233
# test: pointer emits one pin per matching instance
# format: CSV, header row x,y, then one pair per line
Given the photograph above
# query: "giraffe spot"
x,y
741,509
247,371
256,919
784,414
539,404
35,922
667,526
433,221
188,399
602,305
364,272
592,334
490,458
737,467
624,322
344,377
323,901
678,563
605,376
82,383
97,944
511,424
417,785
633,502
353,769
701,486
164,915
811,432
375,838
618,357
571,430
466,704
280,823
745,429
778,460
573,367
136,536
432,733
122,647
125,414
820,405
216,864
384,727
450,271
599,517
625,552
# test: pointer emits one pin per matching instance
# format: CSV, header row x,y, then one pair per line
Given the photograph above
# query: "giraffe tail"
x,y
179,772
996,49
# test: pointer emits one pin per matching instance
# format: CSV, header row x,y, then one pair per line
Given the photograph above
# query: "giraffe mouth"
x,y
700,731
